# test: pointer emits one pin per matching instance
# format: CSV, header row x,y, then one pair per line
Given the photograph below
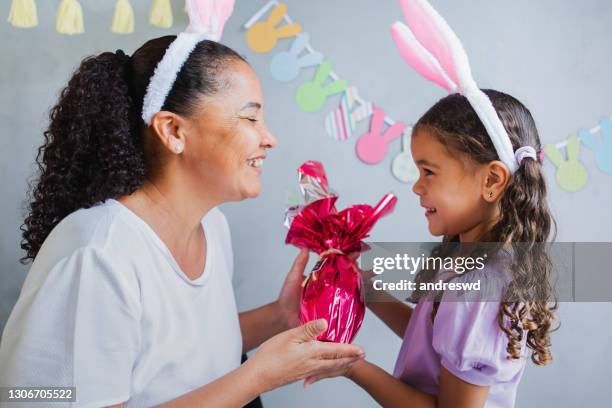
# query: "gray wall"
x,y
553,55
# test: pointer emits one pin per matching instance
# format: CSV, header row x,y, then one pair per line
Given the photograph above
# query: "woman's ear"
x,y
496,179
168,127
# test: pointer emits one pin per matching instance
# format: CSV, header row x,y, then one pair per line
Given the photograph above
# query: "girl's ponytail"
x,y
92,150
530,299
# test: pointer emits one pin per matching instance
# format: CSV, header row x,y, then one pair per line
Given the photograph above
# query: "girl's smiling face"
x,y
459,196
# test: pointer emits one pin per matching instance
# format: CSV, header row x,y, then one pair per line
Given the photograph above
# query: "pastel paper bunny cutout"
x,y
311,95
571,174
402,166
285,66
430,46
603,151
263,35
341,122
372,146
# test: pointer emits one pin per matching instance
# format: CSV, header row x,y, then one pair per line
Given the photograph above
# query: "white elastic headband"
x,y
431,47
206,21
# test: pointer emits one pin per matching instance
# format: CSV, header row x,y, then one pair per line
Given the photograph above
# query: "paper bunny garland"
x,y
286,65
403,167
571,174
372,146
340,123
311,95
206,21
602,150
262,36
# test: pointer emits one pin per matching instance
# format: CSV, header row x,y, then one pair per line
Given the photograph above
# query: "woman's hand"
x,y
289,297
295,355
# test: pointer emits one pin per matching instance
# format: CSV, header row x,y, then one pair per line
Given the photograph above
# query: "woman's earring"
x,y
490,194
177,146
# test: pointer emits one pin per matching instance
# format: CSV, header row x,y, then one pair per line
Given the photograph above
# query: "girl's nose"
x,y
417,188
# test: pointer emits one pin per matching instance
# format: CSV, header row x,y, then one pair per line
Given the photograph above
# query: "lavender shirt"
x,y
464,338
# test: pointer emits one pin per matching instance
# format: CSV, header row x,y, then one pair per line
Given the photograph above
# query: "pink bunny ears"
x,y
430,46
206,21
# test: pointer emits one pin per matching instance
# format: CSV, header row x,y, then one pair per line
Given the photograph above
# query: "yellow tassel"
x,y
69,18
161,14
123,20
23,14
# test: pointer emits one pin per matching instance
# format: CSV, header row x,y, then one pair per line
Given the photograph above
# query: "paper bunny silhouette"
x,y
311,95
372,146
285,66
431,47
340,123
603,151
403,167
263,35
571,174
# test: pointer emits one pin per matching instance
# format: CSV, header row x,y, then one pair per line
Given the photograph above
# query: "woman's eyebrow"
x,y
424,162
255,105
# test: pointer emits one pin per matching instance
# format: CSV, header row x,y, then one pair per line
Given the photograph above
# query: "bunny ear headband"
x,y
430,46
206,21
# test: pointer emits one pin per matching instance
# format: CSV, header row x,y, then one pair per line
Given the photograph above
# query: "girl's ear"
x,y
497,177
169,129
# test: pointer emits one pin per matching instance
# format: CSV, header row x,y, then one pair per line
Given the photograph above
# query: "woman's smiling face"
x,y
449,189
226,138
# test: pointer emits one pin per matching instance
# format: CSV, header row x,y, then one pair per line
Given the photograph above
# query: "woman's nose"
x,y
268,140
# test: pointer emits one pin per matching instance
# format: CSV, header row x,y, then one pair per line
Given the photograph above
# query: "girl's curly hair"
x,y
529,301
94,147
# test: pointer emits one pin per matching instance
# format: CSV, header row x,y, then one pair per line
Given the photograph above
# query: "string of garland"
x,y
69,16
263,36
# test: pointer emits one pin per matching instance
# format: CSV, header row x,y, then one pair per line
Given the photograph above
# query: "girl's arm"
x,y
387,390
394,313
390,392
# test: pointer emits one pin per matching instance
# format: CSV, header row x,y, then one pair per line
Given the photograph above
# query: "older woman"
x,y
129,297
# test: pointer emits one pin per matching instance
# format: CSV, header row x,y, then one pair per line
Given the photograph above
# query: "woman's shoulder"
x,y
94,228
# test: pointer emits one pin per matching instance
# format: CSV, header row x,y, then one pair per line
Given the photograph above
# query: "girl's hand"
x,y
347,372
295,355
289,297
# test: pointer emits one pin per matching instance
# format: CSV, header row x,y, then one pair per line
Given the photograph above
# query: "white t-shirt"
x,y
105,308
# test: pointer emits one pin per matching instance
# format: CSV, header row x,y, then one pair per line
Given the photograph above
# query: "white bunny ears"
x,y
206,21
430,46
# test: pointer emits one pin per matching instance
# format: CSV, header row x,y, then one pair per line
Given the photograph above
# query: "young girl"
x,y
480,180
471,353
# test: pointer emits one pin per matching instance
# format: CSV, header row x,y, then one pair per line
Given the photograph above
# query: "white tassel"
x,y
123,19
23,14
69,19
161,14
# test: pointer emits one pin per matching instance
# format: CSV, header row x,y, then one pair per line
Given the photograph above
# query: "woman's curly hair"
x,y
529,302
94,147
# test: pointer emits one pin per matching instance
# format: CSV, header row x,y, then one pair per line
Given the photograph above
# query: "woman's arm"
x,y
260,324
285,358
390,392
